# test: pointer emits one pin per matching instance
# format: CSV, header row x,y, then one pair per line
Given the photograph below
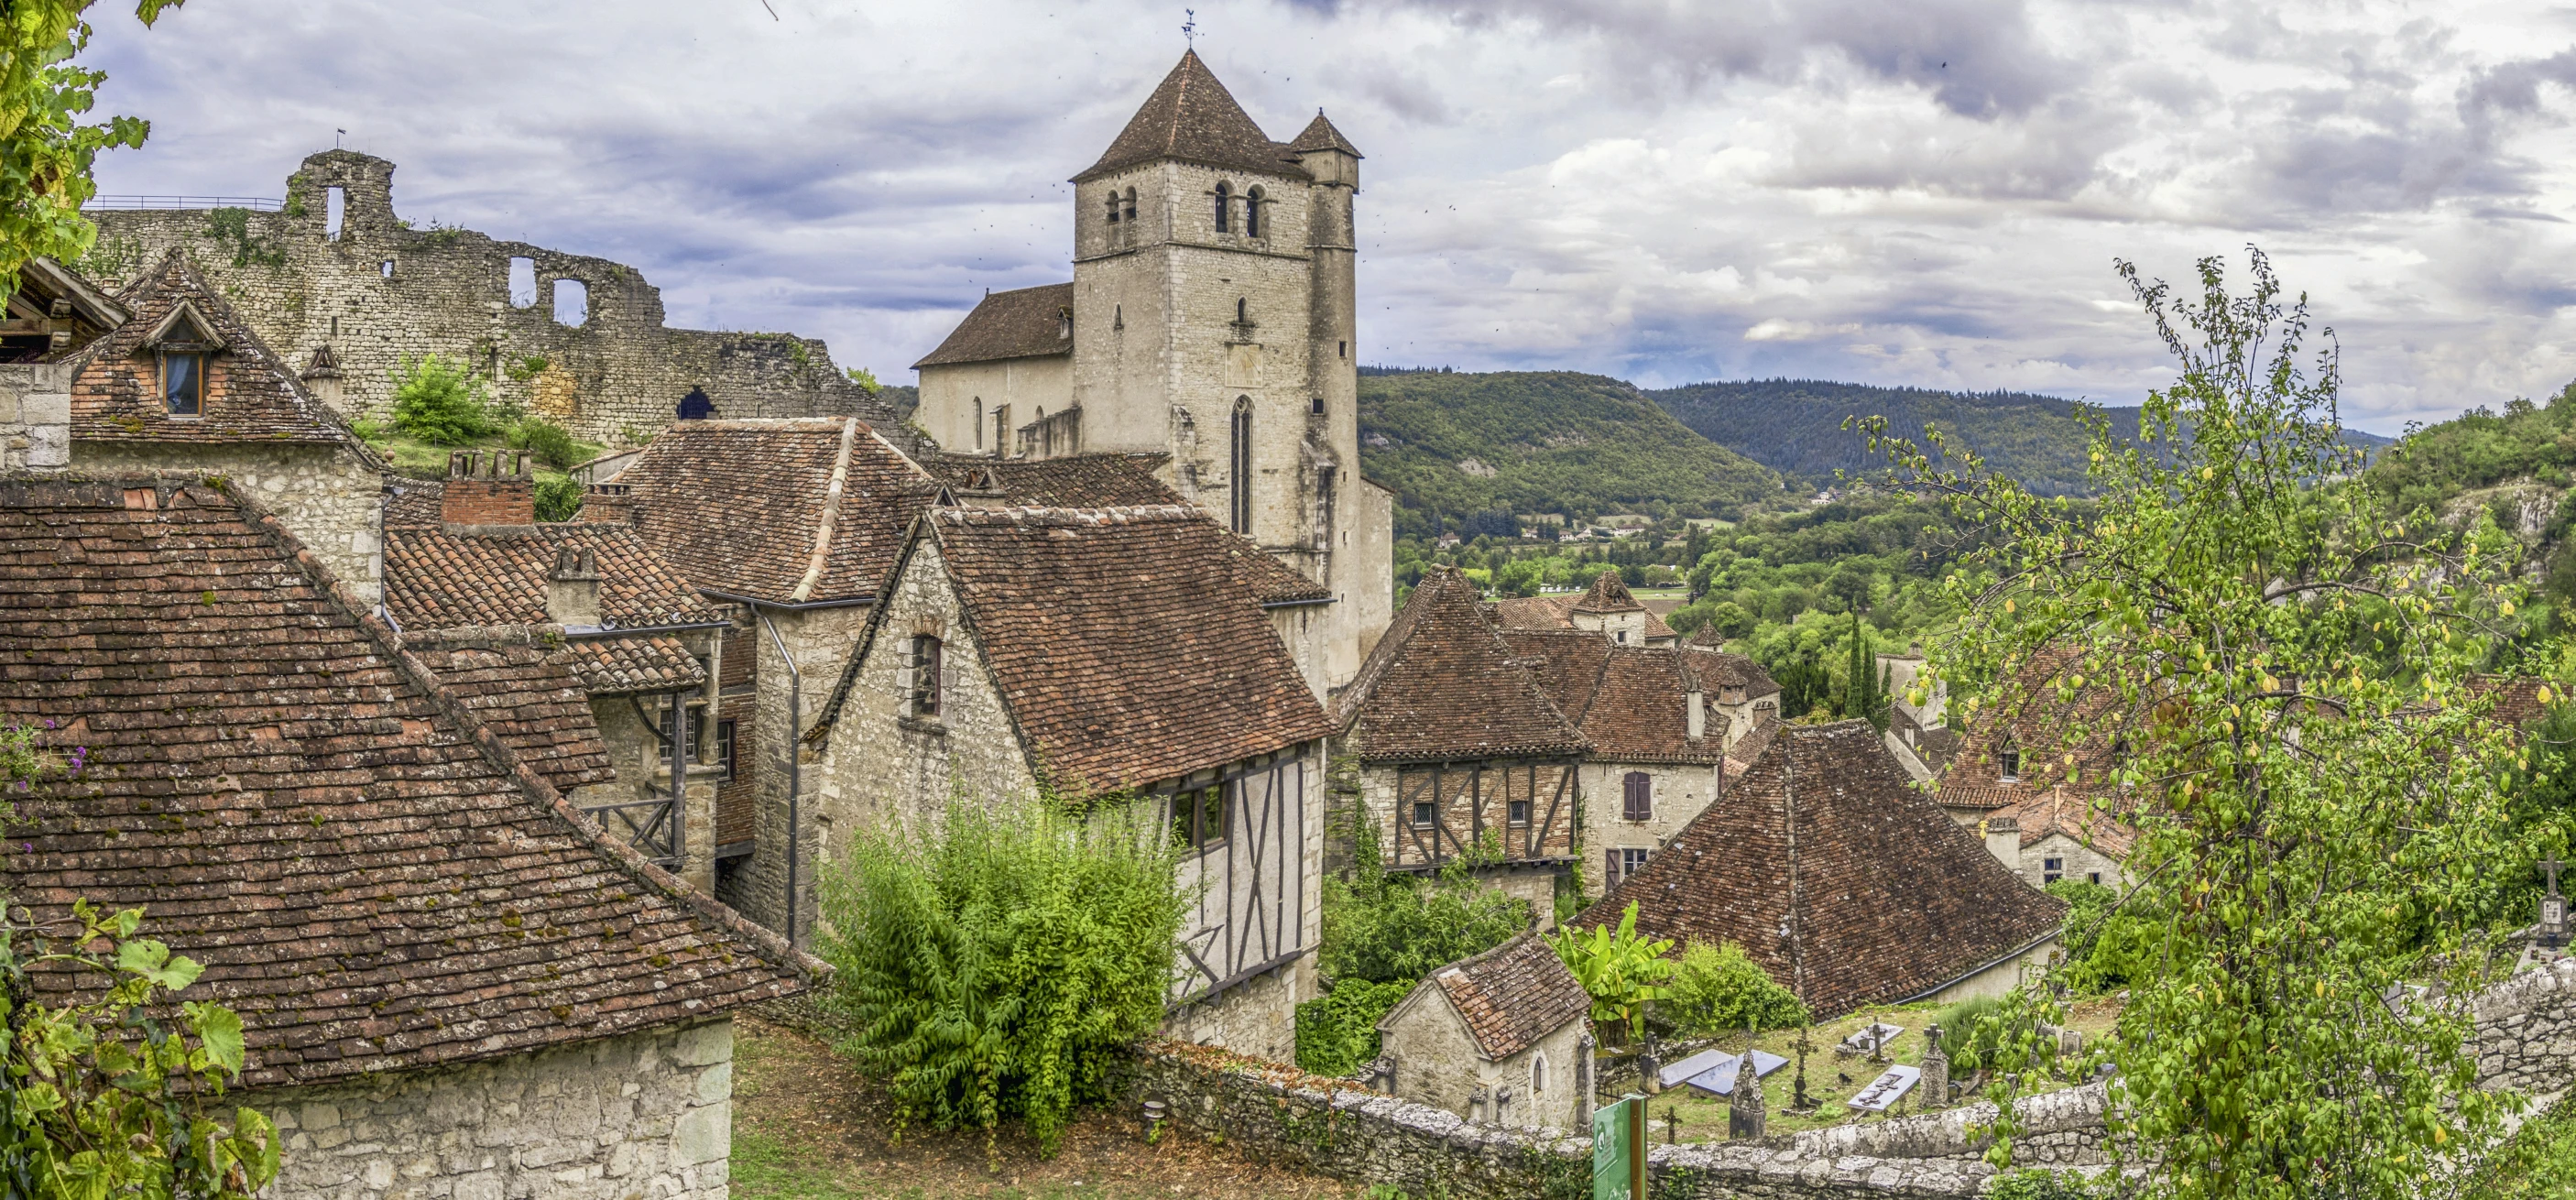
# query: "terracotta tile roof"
x,y
1124,645
615,666
1631,702
1886,898
1319,134
373,879
1511,996
116,390
1025,323
1077,481
1193,118
529,697
1720,671
1748,749
2027,715
1441,684
413,502
1557,611
1274,583
2062,810
1536,612
1607,595
437,580
751,509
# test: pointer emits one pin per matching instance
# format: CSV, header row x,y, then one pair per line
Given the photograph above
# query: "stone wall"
x,y
330,497
381,289
1680,792
644,1115
959,400
35,416
821,640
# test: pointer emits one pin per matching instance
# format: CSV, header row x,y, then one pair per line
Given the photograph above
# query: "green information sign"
x,y
1619,1150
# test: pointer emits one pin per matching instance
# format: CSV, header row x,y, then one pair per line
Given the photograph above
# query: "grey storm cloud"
x,y
1925,193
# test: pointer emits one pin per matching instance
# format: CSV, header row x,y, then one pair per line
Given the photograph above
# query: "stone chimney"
x,y
2003,840
1696,716
608,503
489,489
322,376
572,588
1746,1114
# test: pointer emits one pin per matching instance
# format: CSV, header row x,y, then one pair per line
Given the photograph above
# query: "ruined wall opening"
x,y
572,302
335,212
523,282
386,268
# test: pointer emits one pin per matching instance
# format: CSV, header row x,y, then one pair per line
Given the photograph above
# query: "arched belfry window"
x,y
1131,206
1252,213
1241,516
1224,201
1113,208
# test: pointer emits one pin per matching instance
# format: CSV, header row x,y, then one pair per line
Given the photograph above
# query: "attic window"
x,y
1199,816
183,382
2009,762
927,660
2052,869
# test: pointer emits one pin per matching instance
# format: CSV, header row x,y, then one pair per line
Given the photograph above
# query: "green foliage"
x,y
439,401
1337,1033
1971,1032
551,443
2044,1185
1621,969
230,227
866,379
110,1096
558,498
371,431
523,369
2320,797
1388,928
1554,441
1716,990
996,963
45,151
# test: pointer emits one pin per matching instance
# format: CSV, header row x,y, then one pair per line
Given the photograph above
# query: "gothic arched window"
x,y
1242,466
1131,205
1224,201
1252,213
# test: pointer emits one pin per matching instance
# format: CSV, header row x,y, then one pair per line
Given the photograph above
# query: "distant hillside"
x,y
1795,426
1542,441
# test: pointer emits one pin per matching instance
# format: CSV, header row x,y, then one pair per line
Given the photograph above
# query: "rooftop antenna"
x,y
1190,28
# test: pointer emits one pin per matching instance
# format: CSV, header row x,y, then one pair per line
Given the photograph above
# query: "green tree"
x,y
1389,928
866,379
1717,990
1621,969
2319,793
45,150
439,401
997,962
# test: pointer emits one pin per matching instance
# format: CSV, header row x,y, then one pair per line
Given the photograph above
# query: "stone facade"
x,y
820,641
647,1114
1676,792
1437,1063
331,497
35,416
970,408
379,290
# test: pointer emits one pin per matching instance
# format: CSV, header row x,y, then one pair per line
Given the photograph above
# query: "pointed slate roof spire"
x,y
1320,135
1608,595
1193,118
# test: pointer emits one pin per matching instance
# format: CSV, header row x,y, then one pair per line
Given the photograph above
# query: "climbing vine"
x,y
230,228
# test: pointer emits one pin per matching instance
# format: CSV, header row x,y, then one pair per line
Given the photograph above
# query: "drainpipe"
x,y
795,721
679,782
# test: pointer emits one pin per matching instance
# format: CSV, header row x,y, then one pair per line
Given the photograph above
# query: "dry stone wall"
x,y
379,290
644,1115
35,416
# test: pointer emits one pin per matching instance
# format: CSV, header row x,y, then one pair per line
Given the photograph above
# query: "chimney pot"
x,y
608,503
479,493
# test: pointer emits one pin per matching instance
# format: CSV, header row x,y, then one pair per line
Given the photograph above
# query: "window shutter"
x,y
1609,869
903,676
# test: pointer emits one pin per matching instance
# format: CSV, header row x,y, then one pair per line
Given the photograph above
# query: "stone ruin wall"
x,y
615,378
2526,1040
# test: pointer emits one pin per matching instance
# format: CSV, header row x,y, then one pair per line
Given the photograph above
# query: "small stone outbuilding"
x,y
452,983
1500,1037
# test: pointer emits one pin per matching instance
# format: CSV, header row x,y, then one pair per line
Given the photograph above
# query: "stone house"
x,y
1666,728
2060,833
1086,651
798,522
1213,320
1845,883
2045,808
1607,608
332,271
477,585
184,384
54,310
1499,1037
1919,735
452,983
1460,751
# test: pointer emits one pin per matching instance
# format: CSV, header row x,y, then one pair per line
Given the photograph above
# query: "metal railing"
x,y
253,203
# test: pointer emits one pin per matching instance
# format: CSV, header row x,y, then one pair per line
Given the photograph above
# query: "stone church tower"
x,y
1212,319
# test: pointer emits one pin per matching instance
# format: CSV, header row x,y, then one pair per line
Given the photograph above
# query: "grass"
x,y
424,460
2537,1163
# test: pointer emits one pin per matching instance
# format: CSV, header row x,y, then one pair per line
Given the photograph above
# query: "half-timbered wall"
x,y
1473,803
1247,947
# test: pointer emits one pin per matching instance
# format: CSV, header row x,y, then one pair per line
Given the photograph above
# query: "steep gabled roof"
x,y
530,697
1608,594
1075,481
1509,997
1027,323
1631,702
1440,684
1122,640
1191,117
1885,897
2089,820
116,382
372,878
806,510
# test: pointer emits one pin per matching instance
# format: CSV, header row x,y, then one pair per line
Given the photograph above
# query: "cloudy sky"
x,y
1929,192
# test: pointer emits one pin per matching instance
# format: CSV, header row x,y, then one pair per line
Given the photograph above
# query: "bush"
x,y
439,401
1337,1034
1393,929
997,963
1716,990
1971,1031
551,443
559,498
2045,1185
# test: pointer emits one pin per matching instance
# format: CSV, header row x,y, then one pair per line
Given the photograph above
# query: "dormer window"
x,y
183,382
2008,763
1064,325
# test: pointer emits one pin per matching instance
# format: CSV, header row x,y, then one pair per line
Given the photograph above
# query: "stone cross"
x,y
2553,908
1935,1085
1745,1113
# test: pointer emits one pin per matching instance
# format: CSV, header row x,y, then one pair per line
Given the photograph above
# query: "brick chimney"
x,y
608,503
2003,840
572,588
489,489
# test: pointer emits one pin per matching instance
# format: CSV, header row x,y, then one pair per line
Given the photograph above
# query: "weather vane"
x,y
1190,27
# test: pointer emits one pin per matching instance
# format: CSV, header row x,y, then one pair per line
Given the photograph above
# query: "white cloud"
x,y
1930,193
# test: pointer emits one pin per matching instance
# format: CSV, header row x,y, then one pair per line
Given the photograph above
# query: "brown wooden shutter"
x,y
1609,869
1639,803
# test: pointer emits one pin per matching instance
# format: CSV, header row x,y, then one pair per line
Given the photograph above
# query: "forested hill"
x,y
1795,426
1543,441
